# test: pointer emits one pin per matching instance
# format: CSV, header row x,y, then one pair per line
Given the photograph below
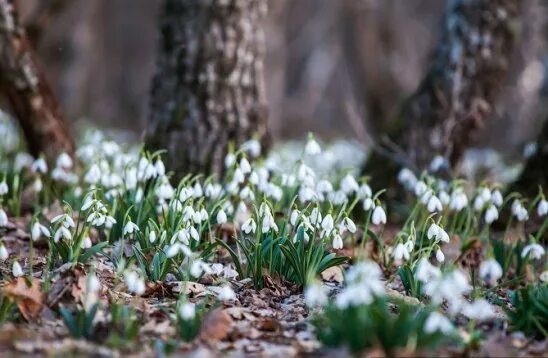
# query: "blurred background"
x,y
338,68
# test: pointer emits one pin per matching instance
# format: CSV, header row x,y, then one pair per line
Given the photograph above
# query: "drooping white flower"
x,y
3,218
542,208
496,198
350,225
93,175
62,232
534,251
444,197
3,253
426,271
434,204
407,178
160,167
491,214
294,216
440,256
86,243
519,211
490,271
420,188
3,188
315,295
327,223
226,293
152,236
245,167
312,147
135,284
249,226
337,242
230,159
187,311
437,233
39,166
16,269
401,252
130,228
479,310
544,276
379,216
438,322
437,163
349,184
221,217
37,230
252,146
459,200
368,204
64,161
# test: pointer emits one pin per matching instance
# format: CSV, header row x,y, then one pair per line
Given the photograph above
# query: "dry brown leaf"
x,y
29,299
333,274
216,325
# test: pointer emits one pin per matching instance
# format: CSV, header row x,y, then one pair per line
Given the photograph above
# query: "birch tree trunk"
x,y
27,90
208,91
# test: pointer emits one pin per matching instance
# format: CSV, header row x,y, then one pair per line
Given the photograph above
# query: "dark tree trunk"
x,y
535,171
208,90
27,90
458,93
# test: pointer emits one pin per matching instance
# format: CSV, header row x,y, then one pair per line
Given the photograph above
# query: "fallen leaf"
x,y
215,326
333,274
29,299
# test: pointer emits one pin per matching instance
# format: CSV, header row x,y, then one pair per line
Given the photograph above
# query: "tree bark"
x,y
535,171
457,95
27,90
208,91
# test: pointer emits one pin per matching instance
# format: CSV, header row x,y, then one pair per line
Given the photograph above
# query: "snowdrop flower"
x,y
226,294
491,214
16,269
490,271
542,208
64,161
444,197
253,147
459,200
198,267
478,310
3,188
230,159
39,166
3,218
3,253
485,194
160,167
436,232
407,178
324,186
519,211
130,228
534,251
365,191
368,204
294,216
245,167
134,283
426,271
420,188
249,226
434,204
187,311
349,184
349,225
496,198
315,295
437,322
379,216
544,276
437,163
62,232
38,230
221,217
479,203
440,256
86,243
312,147
327,223
337,242
93,175
152,236
400,253
197,191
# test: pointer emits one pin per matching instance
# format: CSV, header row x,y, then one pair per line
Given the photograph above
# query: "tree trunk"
x,y
535,171
458,93
208,91
28,93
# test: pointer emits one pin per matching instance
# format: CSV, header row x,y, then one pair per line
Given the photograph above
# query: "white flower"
x,y
230,159
16,269
3,188
544,276
39,166
444,197
294,216
3,218
3,253
407,178
426,271
496,198
152,236
437,163
519,211
315,295
479,203
312,147
368,204
130,228
187,311
86,243
379,216
491,214
38,230
440,256
542,208
459,200
349,224
249,226
62,232
478,310
420,188
349,184
160,167
221,217
437,322
93,175
535,251
436,232
64,161
226,293
337,242
490,271
134,283
245,167
485,194
327,223
434,204
401,252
